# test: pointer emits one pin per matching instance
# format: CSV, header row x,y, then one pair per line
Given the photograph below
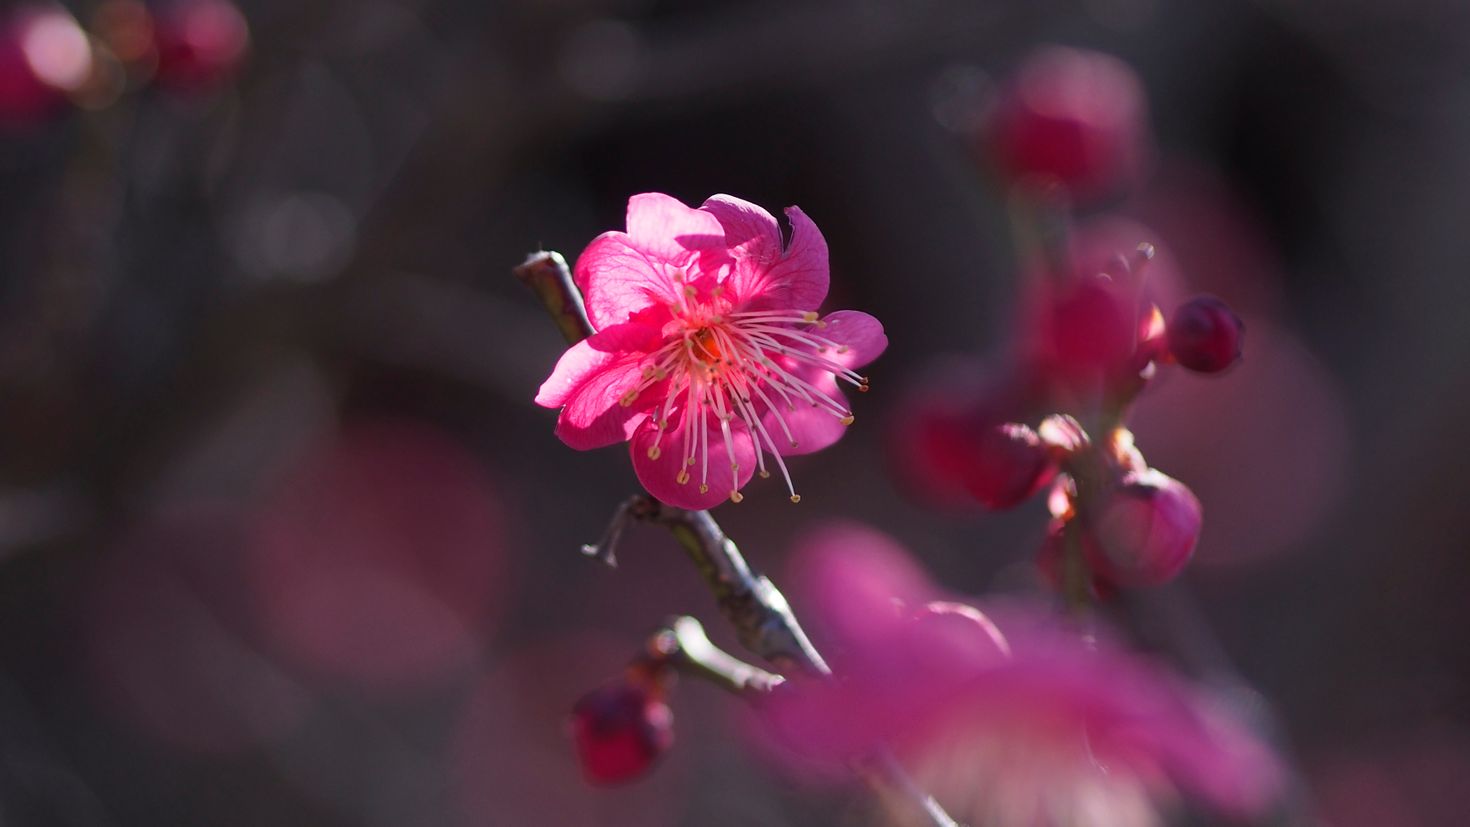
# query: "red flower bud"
x,y
620,729
1008,464
1145,529
1205,335
1072,117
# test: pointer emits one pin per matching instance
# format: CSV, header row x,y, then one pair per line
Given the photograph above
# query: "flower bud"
x,y
1145,529
1205,335
620,729
1008,465
1072,117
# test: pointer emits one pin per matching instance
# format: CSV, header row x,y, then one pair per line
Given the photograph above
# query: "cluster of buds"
x,y
1069,129
49,59
1094,345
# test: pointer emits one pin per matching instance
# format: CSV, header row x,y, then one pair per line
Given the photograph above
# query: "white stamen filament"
x,y
725,365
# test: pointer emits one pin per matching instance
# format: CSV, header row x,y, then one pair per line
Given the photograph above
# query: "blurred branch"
x,y
547,275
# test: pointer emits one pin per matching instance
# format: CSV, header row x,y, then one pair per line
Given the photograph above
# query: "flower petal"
x,y
798,280
812,428
668,231
590,380
862,334
751,233
660,476
618,280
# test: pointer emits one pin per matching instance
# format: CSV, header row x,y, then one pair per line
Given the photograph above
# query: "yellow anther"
x,y
683,478
809,316
736,496
703,489
848,420
796,498
654,452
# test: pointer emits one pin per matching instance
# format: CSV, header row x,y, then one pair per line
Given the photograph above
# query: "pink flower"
x,y
709,358
1008,719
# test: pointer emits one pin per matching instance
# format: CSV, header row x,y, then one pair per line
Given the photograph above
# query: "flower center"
x,y
751,368
707,346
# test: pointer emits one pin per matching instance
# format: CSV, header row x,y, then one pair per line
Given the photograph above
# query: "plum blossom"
x,y
1007,717
709,357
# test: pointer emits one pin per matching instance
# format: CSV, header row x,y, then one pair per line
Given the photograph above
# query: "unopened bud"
x,y
620,729
1145,529
1205,335
1010,463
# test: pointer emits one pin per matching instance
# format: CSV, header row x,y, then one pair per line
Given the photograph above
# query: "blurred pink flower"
x,y
1070,117
1034,726
709,353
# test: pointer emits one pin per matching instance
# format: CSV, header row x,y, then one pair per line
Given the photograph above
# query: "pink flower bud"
x,y
1205,335
1009,463
620,729
1145,529
1072,117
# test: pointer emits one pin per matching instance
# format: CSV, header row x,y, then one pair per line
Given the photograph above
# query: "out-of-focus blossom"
x,y
1021,721
1205,335
1070,117
709,354
620,729
200,43
44,55
1090,327
379,560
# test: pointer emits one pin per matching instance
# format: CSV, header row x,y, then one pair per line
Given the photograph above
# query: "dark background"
x,y
285,540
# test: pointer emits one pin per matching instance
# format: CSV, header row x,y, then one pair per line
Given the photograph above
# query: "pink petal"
x,y
617,280
751,233
668,231
591,379
660,476
798,280
862,334
812,428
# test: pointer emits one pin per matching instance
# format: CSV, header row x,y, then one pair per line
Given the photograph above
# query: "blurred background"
x,y
283,539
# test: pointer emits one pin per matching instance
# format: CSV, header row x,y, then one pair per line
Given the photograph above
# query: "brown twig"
x,y
762,618
547,275
766,625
